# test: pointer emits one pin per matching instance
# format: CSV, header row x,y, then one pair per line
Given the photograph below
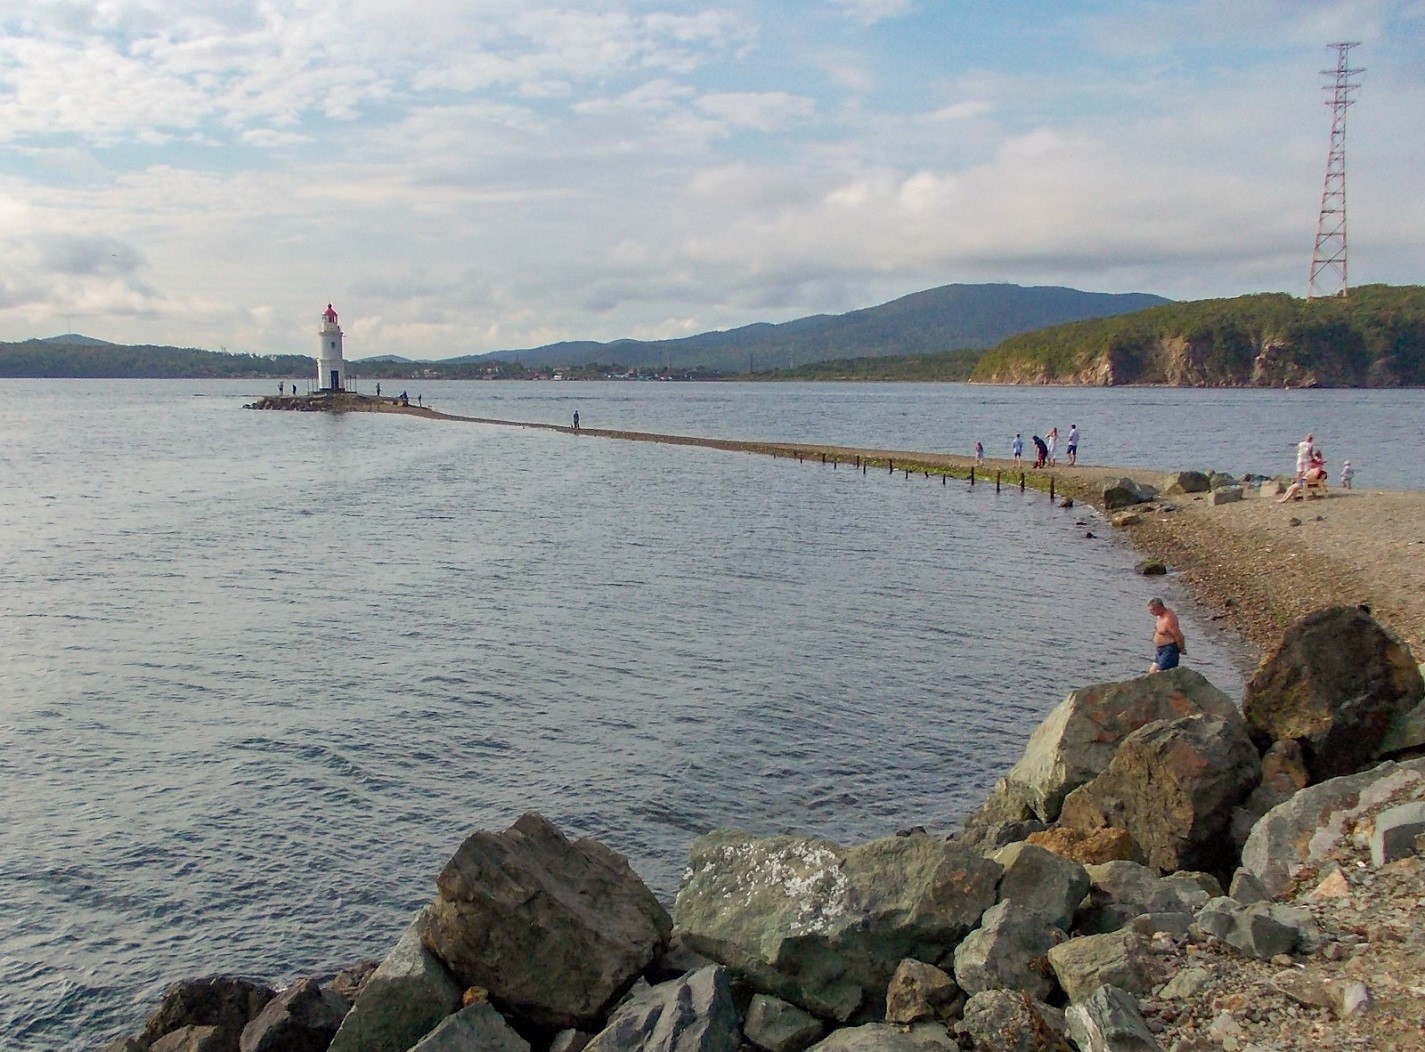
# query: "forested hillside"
x,y
1373,338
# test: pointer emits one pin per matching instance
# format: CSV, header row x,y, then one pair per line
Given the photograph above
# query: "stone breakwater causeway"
x,y
1255,566
1162,868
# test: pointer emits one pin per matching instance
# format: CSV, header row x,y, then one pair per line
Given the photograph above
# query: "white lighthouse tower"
x,y
331,370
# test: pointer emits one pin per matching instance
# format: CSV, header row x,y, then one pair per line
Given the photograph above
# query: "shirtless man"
x,y
1167,637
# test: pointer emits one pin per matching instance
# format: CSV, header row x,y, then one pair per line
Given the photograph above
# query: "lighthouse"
x,y
331,370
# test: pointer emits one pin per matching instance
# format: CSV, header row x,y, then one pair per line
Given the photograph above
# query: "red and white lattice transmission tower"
x,y
1328,261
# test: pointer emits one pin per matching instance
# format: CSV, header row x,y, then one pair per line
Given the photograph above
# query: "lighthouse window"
x,y
333,345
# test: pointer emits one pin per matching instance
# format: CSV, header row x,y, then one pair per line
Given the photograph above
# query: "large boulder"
x,y
1124,493
476,1026
1109,1020
555,930
1077,740
882,1037
1305,829
1123,958
1007,952
920,991
777,1026
822,926
1180,482
1337,681
1172,785
225,1002
692,1014
1012,1021
1039,880
407,995
1121,891
302,1018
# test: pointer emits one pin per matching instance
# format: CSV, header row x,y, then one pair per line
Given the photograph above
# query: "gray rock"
x,y
1076,741
1042,881
920,991
1150,924
1124,492
882,1037
192,1039
1247,889
226,1002
1007,952
999,819
124,1044
1337,682
1122,958
1184,482
777,1026
553,929
1261,929
349,982
1109,1020
1011,1021
825,927
1122,891
1150,568
1173,785
1186,985
407,995
1220,479
692,1014
1225,495
302,1018
676,960
570,1041
475,1028
1307,827
1395,831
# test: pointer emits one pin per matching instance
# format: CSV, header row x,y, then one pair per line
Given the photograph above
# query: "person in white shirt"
x,y
1073,449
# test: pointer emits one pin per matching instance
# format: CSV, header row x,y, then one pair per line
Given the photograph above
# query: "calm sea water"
x,y
267,670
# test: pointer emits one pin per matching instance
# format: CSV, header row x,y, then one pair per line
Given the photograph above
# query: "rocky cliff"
x,y
1374,339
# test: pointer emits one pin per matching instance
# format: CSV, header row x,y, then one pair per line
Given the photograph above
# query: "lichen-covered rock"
x,y
407,995
822,926
1007,952
1173,785
1040,880
692,1014
1337,682
1076,742
1012,1021
920,991
555,930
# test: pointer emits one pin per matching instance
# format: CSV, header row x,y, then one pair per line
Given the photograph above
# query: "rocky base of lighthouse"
x,y
334,402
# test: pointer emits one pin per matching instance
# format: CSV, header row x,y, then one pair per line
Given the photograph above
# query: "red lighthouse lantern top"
x,y
329,314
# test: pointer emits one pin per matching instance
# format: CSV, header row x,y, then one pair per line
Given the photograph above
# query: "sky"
x,y
460,176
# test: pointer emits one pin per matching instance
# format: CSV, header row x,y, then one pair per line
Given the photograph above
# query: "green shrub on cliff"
x,y
1373,338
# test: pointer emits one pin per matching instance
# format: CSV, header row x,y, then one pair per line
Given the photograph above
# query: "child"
x,y
979,453
1347,474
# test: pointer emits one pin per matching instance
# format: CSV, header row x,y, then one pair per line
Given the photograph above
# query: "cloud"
x,y
869,12
764,111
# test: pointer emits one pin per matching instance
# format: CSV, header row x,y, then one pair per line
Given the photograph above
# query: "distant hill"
x,y
73,339
382,358
1373,338
951,317
95,358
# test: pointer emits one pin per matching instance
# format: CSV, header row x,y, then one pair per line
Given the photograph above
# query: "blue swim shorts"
x,y
1166,657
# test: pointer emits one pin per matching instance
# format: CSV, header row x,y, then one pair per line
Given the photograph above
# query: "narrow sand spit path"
x,y
1256,564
